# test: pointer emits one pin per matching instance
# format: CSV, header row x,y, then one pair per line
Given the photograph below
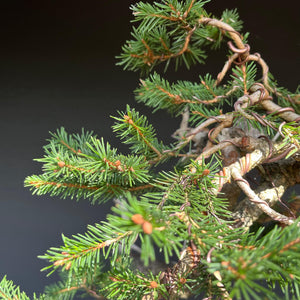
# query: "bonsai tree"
x,y
202,216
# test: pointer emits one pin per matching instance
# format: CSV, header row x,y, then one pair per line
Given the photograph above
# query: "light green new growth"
x,y
193,204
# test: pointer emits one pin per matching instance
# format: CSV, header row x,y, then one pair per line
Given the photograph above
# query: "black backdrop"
x,y
58,69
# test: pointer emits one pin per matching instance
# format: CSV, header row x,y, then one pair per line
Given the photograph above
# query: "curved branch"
x,y
259,201
246,163
284,175
286,114
236,37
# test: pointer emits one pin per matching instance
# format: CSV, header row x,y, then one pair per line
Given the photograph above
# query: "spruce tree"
x,y
210,203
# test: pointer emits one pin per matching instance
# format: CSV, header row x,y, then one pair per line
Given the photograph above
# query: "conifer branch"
x,y
189,212
66,259
149,58
73,289
8,291
40,183
128,120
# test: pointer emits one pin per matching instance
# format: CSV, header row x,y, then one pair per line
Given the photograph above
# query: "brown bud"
x,y
128,119
117,163
147,227
182,280
59,262
205,172
153,284
113,278
61,164
68,266
137,219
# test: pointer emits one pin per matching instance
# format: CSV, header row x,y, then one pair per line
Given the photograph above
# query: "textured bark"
x,y
278,177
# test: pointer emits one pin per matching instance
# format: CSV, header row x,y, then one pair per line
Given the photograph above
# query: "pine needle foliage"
x,y
160,21
10,291
135,131
189,218
158,93
87,167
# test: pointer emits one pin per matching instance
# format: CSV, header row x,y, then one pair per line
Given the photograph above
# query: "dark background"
x,y
57,68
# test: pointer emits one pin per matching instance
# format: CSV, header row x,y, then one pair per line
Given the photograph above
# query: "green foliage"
x,y
244,76
86,167
232,18
179,211
284,96
80,282
134,130
83,251
158,93
123,280
164,31
10,291
291,134
277,251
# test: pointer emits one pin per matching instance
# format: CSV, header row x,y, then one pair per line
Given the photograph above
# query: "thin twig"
x,y
216,148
